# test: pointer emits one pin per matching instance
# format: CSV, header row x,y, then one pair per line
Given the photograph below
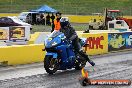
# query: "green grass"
x,y
67,6
42,28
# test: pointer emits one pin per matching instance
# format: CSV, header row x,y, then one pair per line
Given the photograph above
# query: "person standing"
x,y
42,19
52,17
48,19
56,23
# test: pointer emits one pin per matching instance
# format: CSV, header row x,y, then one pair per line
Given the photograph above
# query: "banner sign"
x,y
17,33
96,43
4,33
128,38
116,41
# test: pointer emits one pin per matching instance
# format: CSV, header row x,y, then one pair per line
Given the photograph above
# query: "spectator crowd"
x,y
44,19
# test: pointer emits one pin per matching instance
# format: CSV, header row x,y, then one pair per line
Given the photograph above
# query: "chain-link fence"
x,y
75,7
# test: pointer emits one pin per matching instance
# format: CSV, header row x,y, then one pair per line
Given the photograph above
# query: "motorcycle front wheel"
x,y
50,64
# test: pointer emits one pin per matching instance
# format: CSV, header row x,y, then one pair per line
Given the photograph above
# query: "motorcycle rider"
x,y
71,35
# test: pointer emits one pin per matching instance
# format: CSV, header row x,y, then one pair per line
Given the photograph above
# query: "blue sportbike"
x,y
60,54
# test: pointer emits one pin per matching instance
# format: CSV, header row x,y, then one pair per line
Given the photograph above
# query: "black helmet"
x,y
64,22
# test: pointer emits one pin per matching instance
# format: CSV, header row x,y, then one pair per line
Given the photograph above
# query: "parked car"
x,y
28,17
12,21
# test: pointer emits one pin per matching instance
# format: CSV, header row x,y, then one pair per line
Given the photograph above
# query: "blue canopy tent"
x,y
45,9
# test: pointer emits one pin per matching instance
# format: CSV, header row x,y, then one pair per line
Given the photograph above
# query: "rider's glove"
x,y
70,41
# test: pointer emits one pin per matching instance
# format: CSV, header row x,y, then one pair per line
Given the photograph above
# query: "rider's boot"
x,y
87,58
91,62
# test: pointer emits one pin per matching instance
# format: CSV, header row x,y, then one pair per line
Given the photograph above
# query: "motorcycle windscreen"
x,y
54,39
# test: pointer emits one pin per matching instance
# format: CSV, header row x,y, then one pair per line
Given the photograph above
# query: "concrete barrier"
x,y
82,18
8,14
73,18
38,37
98,43
22,54
119,41
33,37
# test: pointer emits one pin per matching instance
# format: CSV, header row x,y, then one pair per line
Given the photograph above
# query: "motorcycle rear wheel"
x,y
50,64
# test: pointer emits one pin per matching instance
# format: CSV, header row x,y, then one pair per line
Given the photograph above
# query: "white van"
x,y
28,17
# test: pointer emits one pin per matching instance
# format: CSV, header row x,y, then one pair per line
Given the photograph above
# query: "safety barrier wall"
x,y
14,33
33,37
119,41
72,18
8,14
99,43
87,18
22,54
82,19
38,37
